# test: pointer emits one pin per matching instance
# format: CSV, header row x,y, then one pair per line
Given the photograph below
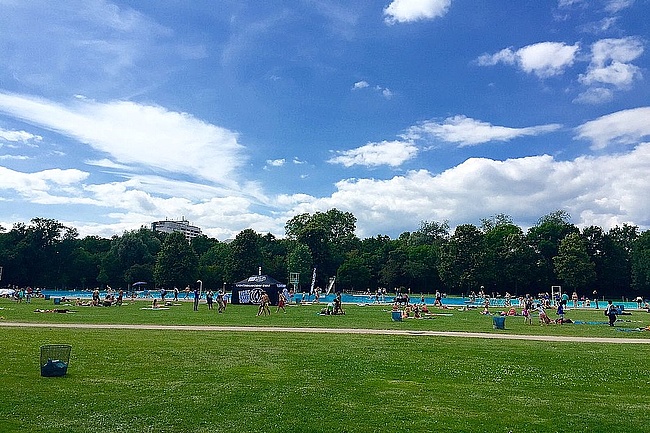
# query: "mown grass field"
x,y
207,381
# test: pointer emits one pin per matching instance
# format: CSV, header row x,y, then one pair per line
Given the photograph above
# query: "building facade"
x,y
183,226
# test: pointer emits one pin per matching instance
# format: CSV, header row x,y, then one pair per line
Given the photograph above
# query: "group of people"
x,y
611,311
109,299
333,308
221,300
415,311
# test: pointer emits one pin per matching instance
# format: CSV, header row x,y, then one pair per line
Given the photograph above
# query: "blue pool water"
x,y
455,301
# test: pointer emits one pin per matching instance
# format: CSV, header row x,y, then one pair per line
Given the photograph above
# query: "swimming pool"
x,y
452,301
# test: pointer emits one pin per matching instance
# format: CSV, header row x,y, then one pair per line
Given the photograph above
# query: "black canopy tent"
x,y
249,291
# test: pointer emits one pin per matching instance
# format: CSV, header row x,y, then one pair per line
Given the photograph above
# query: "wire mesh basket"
x,y
55,359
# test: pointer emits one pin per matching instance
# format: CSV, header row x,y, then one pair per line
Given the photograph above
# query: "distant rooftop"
x,y
182,225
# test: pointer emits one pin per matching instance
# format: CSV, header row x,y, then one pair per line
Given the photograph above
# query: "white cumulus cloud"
x,y
391,153
137,135
404,11
466,131
622,127
544,59
19,136
603,191
610,62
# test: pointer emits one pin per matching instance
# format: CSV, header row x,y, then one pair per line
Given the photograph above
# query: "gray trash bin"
x,y
55,359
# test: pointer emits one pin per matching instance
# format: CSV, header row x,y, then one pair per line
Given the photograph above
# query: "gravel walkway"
x,y
499,336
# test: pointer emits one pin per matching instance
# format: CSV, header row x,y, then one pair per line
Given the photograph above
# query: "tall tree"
x,y
545,238
329,236
214,265
393,273
641,263
624,238
508,258
33,255
375,252
299,261
429,232
131,258
461,259
246,255
610,260
274,252
573,264
176,263
353,274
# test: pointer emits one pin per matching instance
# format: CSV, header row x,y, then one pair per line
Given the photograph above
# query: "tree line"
x,y
497,255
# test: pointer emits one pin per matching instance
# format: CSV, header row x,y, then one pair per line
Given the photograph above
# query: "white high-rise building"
x,y
182,226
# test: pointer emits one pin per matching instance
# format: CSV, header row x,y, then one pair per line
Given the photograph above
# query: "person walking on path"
x,y
610,312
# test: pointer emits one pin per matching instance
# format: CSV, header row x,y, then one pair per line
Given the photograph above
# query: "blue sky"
x,y
241,114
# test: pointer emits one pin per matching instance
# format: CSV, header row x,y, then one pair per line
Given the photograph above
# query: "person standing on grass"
x,y
526,313
596,298
610,312
281,303
208,298
264,305
574,298
221,302
560,312
197,296
175,294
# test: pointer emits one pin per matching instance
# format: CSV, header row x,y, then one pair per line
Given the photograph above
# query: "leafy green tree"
x,y
329,236
573,264
375,252
429,233
509,261
353,274
246,255
393,273
421,268
176,263
131,258
213,265
545,238
33,254
610,260
641,263
299,261
461,259
624,238
202,244
274,253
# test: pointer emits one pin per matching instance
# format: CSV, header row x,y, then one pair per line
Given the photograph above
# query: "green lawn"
x,y
371,317
201,381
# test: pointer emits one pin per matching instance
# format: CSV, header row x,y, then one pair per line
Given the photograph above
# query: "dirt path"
x,y
336,331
